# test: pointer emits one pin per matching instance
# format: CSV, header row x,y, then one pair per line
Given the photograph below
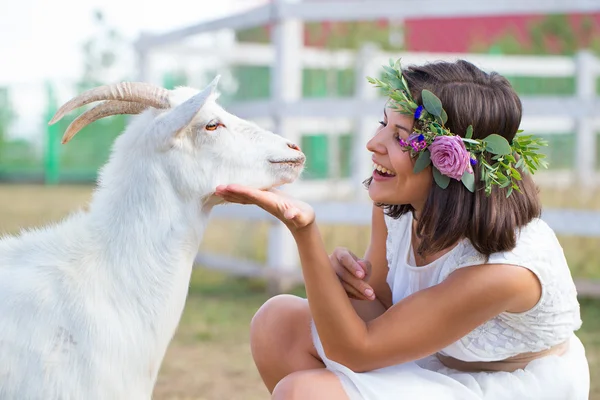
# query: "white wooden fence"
x,y
287,113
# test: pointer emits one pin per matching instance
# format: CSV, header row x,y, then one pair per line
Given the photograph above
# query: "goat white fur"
x,y
88,306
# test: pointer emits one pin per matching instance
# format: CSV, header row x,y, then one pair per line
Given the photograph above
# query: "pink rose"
x,y
450,157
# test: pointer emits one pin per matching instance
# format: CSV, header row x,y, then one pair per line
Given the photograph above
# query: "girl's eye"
x,y
382,123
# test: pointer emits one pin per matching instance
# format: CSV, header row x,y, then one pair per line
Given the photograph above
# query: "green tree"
x,y
553,34
7,115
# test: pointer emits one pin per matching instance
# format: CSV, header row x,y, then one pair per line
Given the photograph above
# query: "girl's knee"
x,y
279,313
290,387
311,384
276,327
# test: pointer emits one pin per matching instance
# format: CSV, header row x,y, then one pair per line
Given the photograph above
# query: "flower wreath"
x,y
453,156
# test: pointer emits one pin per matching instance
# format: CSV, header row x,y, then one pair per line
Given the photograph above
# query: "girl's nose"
x,y
375,144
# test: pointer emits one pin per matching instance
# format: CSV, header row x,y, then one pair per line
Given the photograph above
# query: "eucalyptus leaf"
x,y
444,117
472,141
422,162
469,134
442,180
431,103
396,82
391,71
497,144
468,179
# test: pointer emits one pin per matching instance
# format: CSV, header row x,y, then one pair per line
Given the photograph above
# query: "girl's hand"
x,y
295,214
353,273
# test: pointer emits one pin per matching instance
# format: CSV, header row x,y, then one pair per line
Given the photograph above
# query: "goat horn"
x,y
138,92
105,109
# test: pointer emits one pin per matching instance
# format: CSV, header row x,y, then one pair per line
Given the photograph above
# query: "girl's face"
x,y
393,180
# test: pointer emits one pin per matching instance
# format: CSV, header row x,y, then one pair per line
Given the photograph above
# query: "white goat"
x,y
89,306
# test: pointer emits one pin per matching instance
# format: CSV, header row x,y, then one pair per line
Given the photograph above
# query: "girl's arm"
x,y
417,326
376,256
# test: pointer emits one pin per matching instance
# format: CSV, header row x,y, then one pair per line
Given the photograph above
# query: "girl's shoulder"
x,y
537,248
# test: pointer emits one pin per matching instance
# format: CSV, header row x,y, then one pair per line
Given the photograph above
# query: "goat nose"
x,y
293,146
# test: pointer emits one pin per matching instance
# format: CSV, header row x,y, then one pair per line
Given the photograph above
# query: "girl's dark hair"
x,y
489,103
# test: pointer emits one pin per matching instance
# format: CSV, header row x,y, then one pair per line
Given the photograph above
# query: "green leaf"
x,y
469,134
431,103
468,179
442,180
390,71
497,144
472,141
501,177
520,162
404,81
444,117
422,162
509,191
395,82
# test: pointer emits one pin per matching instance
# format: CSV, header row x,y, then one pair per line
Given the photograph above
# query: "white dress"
x,y
552,321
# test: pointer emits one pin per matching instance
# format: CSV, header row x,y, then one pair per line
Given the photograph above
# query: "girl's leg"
x,y
281,340
316,384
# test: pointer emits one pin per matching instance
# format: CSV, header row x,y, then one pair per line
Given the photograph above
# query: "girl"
x,y
463,293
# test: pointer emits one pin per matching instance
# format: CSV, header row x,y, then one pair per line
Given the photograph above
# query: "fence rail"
x,y
580,223
288,113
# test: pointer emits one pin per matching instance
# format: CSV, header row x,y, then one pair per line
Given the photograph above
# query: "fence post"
x,y
286,86
585,147
52,164
364,124
141,58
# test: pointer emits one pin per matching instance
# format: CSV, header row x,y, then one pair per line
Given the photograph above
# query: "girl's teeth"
x,y
383,170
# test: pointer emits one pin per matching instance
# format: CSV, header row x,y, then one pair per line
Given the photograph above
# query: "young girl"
x,y
464,292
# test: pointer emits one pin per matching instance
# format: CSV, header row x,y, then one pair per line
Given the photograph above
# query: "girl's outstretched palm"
x,y
295,214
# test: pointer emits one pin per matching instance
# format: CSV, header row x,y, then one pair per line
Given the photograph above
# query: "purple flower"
x,y
413,136
418,112
421,137
450,157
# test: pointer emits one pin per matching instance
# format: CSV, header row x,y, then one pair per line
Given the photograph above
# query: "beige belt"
x,y
510,364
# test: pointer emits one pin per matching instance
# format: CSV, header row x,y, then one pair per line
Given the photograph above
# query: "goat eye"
x,y
212,126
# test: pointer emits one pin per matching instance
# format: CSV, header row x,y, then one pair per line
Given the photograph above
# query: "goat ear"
x,y
181,116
